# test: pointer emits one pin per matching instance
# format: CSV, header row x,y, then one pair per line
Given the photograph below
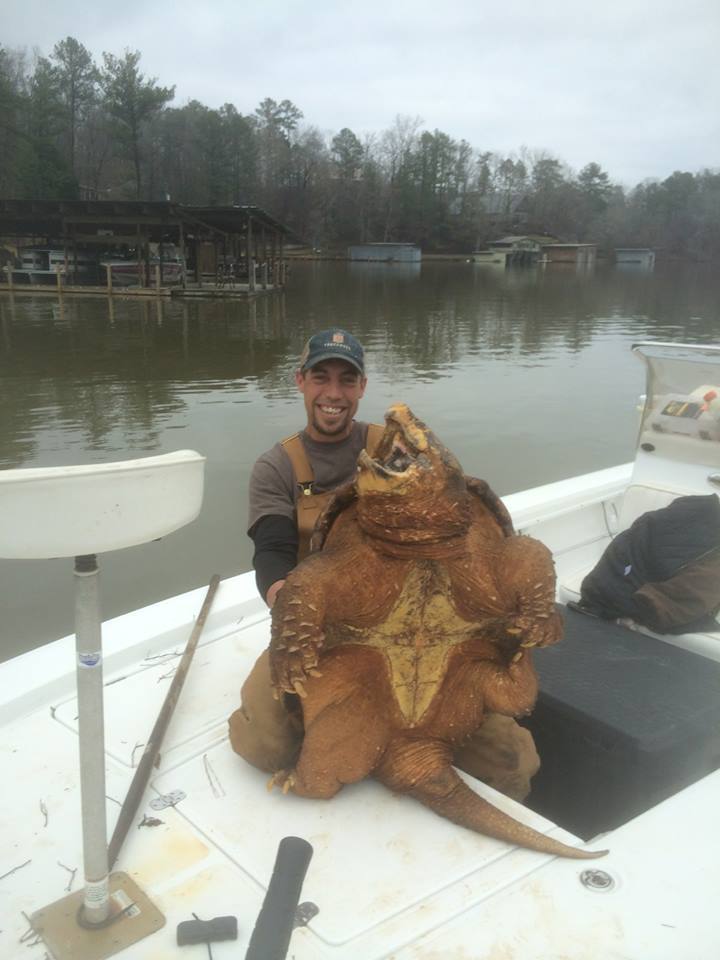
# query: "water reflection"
x,y
385,272
108,368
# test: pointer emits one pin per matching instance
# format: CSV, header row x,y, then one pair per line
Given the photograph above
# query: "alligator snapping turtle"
x,y
411,618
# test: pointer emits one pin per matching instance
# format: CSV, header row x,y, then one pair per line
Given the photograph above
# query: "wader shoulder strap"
x,y
307,504
294,448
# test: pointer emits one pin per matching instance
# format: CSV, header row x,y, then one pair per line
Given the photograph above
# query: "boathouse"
x,y
637,256
580,254
507,251
385,252
145,244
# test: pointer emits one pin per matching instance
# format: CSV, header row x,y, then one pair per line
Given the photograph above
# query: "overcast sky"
x,y
631,84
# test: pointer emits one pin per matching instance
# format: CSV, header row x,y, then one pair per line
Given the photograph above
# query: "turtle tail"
x,y
438,786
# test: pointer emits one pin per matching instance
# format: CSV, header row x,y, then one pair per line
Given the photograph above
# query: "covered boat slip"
x,y
140,247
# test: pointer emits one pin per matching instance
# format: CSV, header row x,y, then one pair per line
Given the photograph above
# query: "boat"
x,y
41,265
490,256
642,257
624,723
168,268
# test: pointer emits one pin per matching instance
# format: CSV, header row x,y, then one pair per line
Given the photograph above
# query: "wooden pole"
x,y
248,255
263,254
157,278
58,274
138,247
147,761
181,242
108,270
9,269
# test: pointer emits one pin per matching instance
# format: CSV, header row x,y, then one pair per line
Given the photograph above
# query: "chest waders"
x,y
309,505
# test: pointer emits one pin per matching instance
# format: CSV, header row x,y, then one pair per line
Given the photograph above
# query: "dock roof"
x,y
73,217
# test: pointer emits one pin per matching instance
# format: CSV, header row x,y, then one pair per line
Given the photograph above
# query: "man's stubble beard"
x,y
330,433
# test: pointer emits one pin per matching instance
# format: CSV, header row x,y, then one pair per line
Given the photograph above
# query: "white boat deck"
x,y
390,878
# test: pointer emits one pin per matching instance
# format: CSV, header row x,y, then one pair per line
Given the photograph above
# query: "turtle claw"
x,y
294,657
285,779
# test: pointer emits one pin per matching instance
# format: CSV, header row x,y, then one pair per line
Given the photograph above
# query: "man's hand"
x,y
273,592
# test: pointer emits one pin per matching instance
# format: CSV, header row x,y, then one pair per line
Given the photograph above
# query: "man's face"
x,y
331,390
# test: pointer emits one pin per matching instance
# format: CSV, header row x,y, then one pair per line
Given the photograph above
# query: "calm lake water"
x,y
526,375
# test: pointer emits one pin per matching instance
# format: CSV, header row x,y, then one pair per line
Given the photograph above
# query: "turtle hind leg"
x,y
346,725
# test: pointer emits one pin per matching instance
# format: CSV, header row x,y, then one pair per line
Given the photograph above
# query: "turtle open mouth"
x,y
400,457
395,454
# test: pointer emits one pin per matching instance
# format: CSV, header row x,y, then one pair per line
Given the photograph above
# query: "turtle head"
x,y
413,489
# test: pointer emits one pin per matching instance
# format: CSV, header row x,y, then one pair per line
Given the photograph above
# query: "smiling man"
x,y
292,481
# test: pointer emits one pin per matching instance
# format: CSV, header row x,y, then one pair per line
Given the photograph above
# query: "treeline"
x,y
71,127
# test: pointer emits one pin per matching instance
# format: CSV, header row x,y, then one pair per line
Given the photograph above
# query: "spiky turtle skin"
x,y
414,617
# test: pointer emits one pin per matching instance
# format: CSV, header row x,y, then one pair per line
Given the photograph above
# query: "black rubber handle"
x,y
274,926
206,931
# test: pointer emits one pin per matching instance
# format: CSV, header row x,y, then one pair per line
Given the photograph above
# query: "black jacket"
x,y
664,571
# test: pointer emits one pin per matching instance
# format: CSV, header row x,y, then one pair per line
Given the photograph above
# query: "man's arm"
x,y
271,521
276,546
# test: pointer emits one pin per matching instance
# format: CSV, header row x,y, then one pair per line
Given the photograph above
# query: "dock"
x,y
207,291
128,249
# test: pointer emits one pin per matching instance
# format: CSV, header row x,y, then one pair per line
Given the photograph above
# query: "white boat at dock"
x,y
42,265
389,878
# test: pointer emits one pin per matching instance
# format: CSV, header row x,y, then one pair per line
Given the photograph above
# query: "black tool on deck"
x,y
206,931
271,937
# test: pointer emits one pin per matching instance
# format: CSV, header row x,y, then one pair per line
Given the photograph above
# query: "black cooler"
x,y
622,721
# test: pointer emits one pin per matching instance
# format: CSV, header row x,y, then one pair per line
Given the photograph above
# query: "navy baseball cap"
x,y
333,344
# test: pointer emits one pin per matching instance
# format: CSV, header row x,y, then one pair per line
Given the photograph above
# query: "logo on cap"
x,y
338,338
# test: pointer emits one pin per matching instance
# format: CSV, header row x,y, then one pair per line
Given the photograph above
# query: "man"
x,y
289,486
291,483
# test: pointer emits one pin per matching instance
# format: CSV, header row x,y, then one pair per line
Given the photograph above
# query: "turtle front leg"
x,y
528,578
297,635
